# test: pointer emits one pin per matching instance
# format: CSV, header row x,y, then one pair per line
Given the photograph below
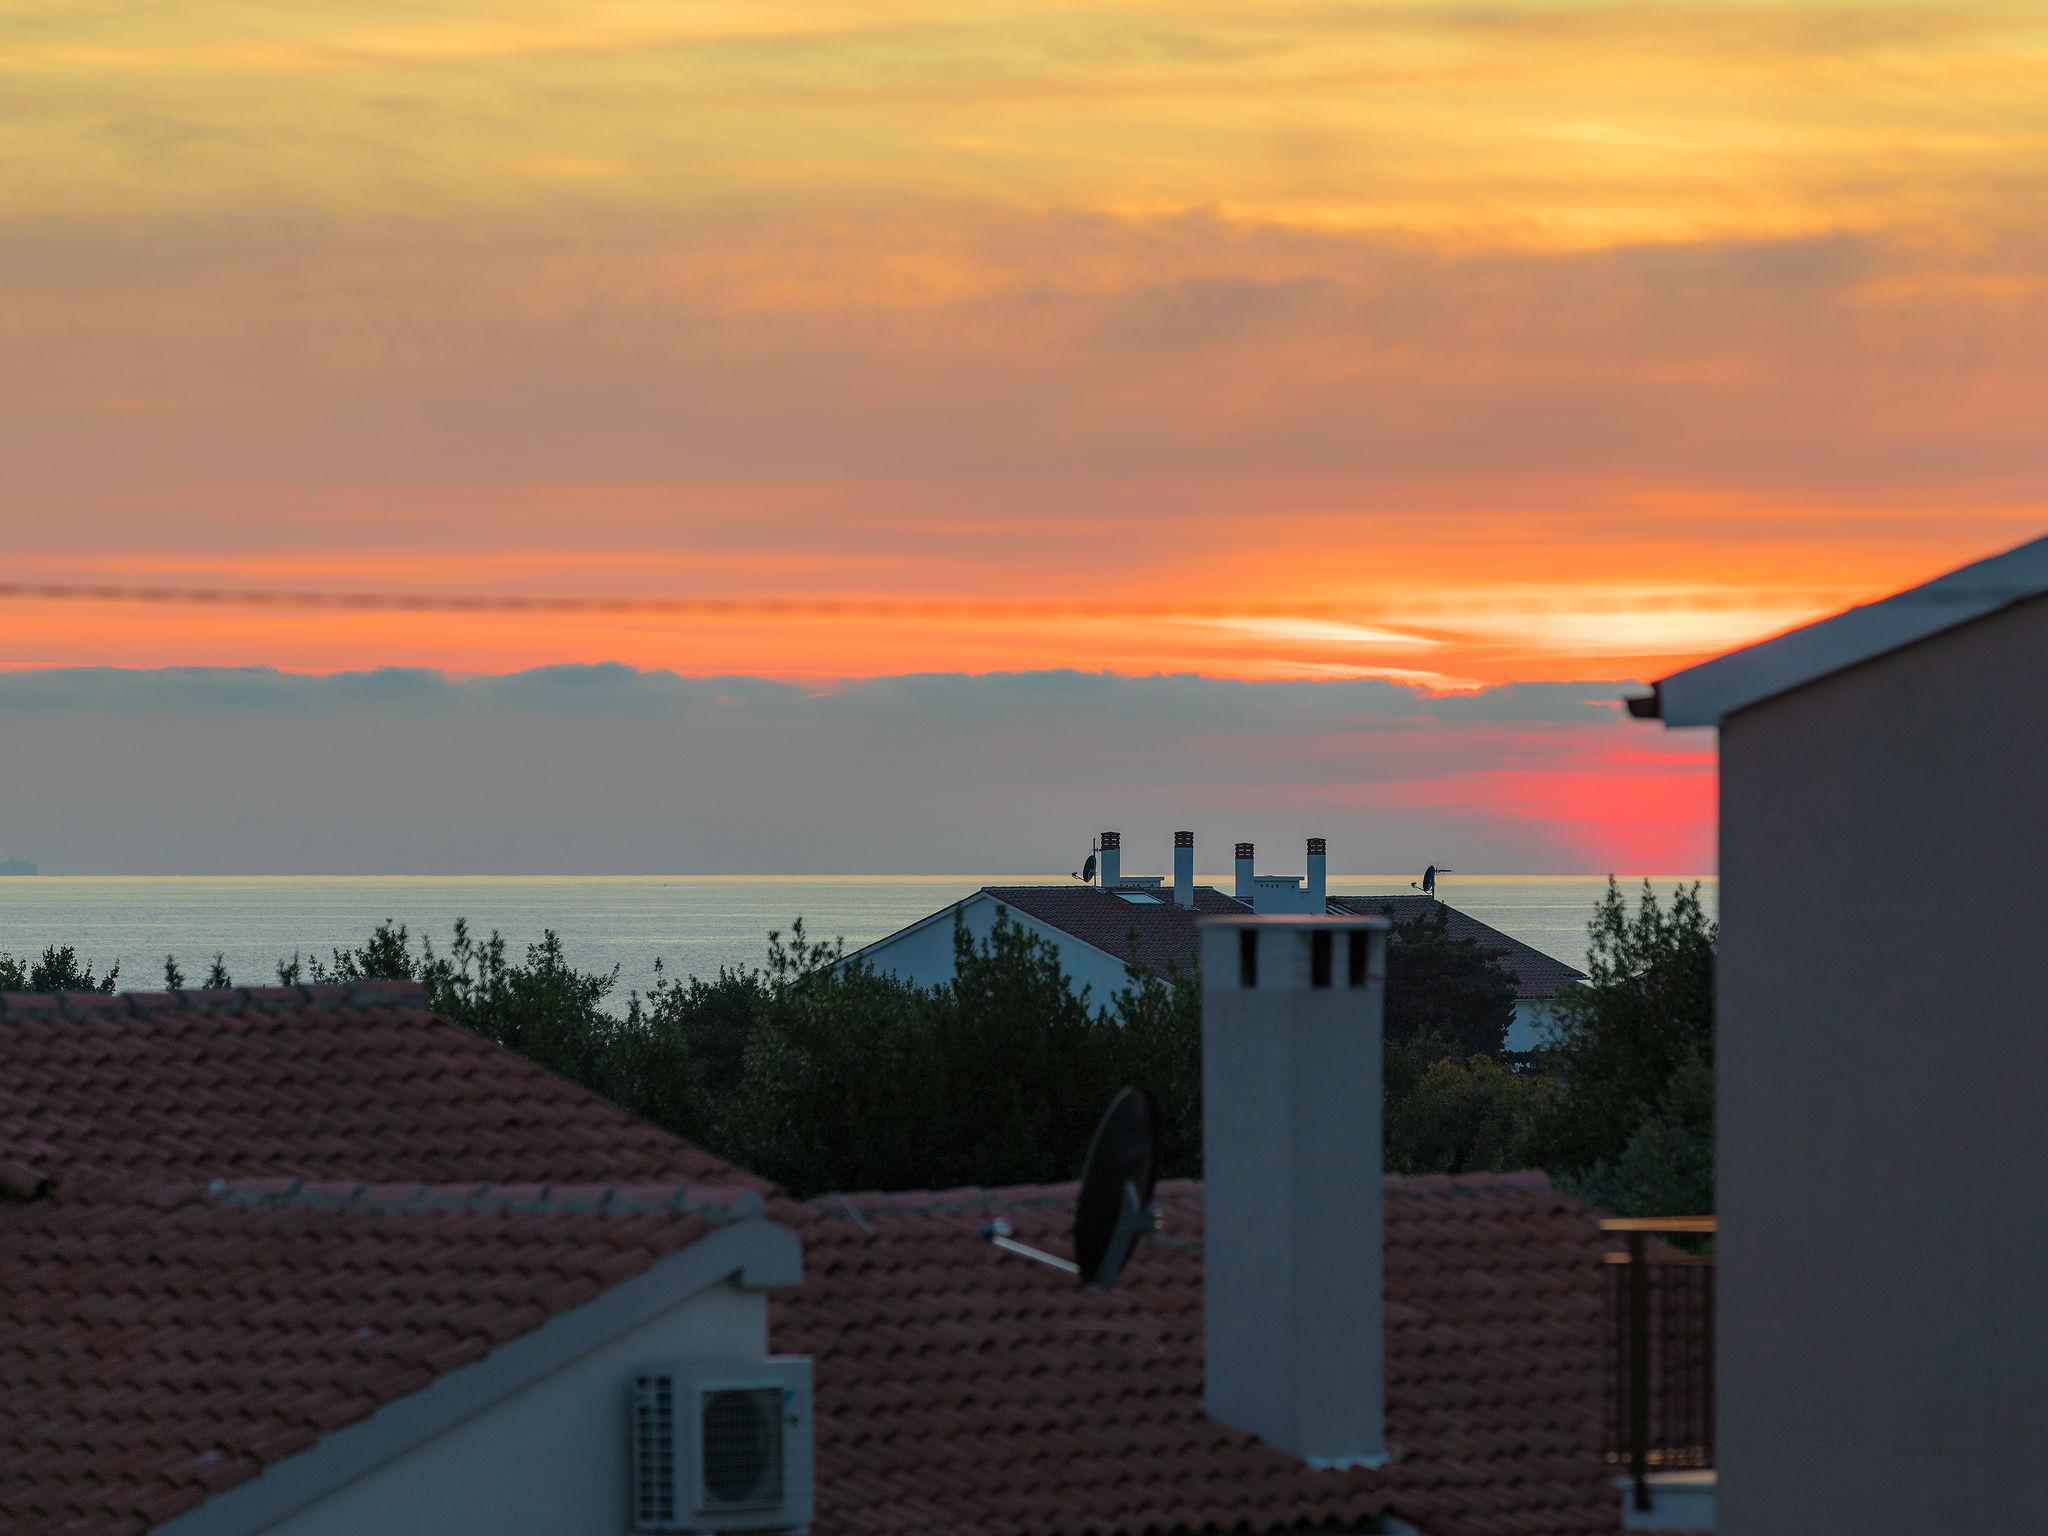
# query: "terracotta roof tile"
x,y
1163,937
1163,934
357,1082
1536,974
233,1222
964,1389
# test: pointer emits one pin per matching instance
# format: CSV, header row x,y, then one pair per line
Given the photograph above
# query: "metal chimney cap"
x,y
1112,839
1244,850
1183,839
1317,845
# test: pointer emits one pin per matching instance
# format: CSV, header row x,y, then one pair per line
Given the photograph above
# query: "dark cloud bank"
x,y
605,769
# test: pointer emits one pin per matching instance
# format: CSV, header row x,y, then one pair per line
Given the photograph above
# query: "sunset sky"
x,y
1446,348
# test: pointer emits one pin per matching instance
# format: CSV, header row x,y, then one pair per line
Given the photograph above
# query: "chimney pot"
x,y
1112,859
1183,869
1318,875
1246,888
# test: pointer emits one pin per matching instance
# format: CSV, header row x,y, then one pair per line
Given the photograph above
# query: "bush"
x,y
1444,1115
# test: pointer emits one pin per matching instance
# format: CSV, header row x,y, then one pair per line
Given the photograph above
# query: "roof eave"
x,y
1708,693
755,1254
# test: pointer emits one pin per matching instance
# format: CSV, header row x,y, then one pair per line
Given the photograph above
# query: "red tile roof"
x,y
1536,974
1166,934
198,1282
353,1082
964,1390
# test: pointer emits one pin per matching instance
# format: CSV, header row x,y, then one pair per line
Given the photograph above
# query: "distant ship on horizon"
x,y
16,867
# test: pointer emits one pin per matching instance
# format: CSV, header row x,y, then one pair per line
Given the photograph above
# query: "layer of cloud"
x,y
608,770
1502,320
956,700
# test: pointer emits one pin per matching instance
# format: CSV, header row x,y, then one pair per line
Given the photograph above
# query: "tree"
x,y
58,970
837,1088
1455,991
710,1020
1631,1121
1159,1048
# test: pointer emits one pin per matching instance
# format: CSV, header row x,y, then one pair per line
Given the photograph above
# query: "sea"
x,y
693,924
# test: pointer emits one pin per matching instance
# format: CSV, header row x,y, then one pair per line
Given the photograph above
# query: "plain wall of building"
x,y
551,1459
1531,1028
1883,1058
923,955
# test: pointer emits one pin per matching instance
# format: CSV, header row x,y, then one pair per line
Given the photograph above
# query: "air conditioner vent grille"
x,y
720,1446
742,1440
654,1453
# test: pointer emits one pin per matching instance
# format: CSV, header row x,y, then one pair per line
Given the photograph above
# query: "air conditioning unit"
x,y
722,1445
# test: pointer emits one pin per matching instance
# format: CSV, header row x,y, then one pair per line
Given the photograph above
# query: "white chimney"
x,y
1318,874
1291,1182
1246,889
1112,859
1183,869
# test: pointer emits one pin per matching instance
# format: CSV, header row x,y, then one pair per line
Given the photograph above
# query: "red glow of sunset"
x,y
1423,345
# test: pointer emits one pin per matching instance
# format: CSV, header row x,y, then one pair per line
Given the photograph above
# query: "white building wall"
x,y
923,954
549,1460
1531,1028
1883,1085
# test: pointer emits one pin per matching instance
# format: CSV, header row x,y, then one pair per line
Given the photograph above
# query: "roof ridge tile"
x,y
714,1203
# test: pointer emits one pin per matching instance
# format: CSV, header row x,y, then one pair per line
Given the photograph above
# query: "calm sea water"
x,y
694,924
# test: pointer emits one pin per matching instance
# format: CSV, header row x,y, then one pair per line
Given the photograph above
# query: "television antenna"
x,y
1427,884
1114,1207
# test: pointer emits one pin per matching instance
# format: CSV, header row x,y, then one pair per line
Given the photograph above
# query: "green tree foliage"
x,y
1631,1121
823,1075
1447,1115
854,1080
1455,991
1160,1049
58,970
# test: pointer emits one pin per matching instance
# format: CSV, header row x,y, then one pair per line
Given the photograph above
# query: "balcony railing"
x,y
1660,1377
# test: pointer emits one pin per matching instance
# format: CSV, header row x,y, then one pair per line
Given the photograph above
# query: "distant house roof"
x,y
1536,974
1166,935
1163,934
1704,694
960,1389
234,1223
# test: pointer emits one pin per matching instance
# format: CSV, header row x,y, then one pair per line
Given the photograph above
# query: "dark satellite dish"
x,y
1427,884
1114,1208
1115,1205
1088,868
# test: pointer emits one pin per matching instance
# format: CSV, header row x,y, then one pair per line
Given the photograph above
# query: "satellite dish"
x,y
1115,1206
1088,868
1427,884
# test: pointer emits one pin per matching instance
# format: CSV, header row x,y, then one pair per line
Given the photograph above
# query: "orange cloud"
x,y
1446,345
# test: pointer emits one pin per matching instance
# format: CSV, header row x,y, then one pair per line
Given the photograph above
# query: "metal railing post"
x,y
1639,1369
